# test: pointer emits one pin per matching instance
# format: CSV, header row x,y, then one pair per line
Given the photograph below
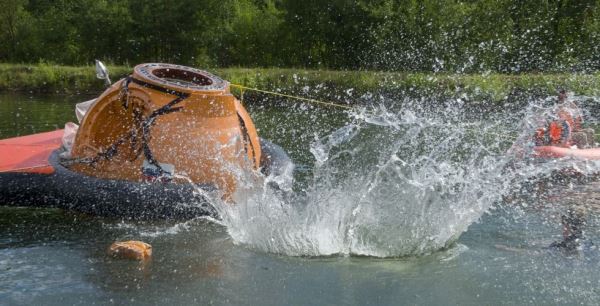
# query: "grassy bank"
x,y
338,85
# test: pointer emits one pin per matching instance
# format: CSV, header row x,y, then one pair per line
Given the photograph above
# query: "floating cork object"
x,y
131,250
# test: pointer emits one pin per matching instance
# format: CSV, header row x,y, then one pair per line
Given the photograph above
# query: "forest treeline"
x,y
468,36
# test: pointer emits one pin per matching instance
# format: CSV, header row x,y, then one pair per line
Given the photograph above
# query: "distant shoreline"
x,y
347,86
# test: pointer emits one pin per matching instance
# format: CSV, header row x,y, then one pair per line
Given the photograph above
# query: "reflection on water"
x,y
53,257
26,114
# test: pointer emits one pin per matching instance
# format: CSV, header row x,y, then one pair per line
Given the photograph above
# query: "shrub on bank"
x,y
344,86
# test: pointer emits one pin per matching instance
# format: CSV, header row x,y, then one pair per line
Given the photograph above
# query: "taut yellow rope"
x,y
242,88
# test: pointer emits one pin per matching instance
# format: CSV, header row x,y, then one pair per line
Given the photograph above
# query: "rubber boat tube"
x,y
70,190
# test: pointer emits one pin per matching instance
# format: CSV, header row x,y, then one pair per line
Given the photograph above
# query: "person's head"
x,y
562,95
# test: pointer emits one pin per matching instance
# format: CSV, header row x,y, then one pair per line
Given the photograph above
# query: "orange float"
x,y
139,145
131,249
164,119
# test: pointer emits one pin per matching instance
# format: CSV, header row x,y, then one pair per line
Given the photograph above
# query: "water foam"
x,y
389,183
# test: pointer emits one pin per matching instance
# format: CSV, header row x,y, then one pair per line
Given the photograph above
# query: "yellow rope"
x,y
242,88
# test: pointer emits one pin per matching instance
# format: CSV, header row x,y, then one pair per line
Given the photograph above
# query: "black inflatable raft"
x,y
117,198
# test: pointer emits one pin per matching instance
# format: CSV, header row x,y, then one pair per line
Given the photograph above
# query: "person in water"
x,y
567,131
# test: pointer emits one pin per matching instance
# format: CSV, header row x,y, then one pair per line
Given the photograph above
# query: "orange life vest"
x,y
558,132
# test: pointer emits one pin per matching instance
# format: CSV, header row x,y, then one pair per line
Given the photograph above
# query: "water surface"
x,y
52,257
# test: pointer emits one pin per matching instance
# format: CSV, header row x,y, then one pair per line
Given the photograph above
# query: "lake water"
x,y
407,180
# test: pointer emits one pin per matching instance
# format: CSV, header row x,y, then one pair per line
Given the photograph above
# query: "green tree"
x,y
325,33
14,29
250,33
407,35
104,30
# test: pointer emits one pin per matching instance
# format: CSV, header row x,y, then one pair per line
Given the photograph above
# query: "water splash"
x,y
388,183
393,181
